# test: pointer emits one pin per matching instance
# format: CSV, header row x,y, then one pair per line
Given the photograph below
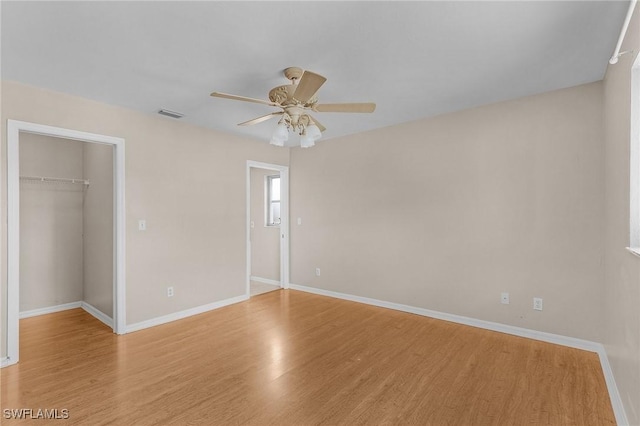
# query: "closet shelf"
x,y
54,180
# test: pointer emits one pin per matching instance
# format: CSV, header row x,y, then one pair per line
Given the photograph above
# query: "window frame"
x,y
634,164
268,220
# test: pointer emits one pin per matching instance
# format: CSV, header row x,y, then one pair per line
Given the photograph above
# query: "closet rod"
x,y
55,180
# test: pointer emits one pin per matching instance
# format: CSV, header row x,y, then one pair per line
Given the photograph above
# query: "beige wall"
x,y
447,213
265,241
51,243
187,182
622,279
98,227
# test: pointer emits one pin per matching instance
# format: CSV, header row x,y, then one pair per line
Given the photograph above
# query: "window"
x,y
272,197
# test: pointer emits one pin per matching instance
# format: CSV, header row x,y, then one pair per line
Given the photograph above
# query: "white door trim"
x,y
284,221
14,128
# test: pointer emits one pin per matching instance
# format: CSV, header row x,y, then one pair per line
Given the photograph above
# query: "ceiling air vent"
x,y
171,114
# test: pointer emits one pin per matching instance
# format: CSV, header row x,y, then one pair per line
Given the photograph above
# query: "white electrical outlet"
x,y
169,291
299,221
504,298
537,303
142,225
317,272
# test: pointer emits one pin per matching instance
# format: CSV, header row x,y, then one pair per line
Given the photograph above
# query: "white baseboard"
x,y
265,280
4,362
614,395
487,325
66,306
184,314
99,315
49,310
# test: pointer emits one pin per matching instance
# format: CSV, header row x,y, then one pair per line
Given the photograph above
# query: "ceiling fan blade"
x,y
260,119
309,84
242,98
320,126
353,107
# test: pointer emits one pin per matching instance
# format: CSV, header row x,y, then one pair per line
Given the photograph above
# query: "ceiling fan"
x,y
296,101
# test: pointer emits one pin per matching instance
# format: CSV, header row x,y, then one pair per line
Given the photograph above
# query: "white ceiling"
x,y
414,59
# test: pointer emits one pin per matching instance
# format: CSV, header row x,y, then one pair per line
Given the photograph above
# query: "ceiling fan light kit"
x,y
280,134
277,142
296,100
314,131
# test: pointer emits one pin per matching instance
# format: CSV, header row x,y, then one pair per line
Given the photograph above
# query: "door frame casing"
x,y
14,127
284,221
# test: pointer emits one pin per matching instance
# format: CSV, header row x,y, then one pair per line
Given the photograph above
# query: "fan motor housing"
x,y
283,95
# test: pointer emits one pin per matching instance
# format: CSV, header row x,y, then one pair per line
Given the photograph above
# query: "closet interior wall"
x,y
66,229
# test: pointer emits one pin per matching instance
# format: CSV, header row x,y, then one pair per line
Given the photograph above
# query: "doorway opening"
x,y
267,228
31,133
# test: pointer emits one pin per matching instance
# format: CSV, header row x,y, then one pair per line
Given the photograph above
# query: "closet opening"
x,y
65,226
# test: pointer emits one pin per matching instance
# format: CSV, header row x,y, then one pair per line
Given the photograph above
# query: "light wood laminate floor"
x,y
289,357
256,288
